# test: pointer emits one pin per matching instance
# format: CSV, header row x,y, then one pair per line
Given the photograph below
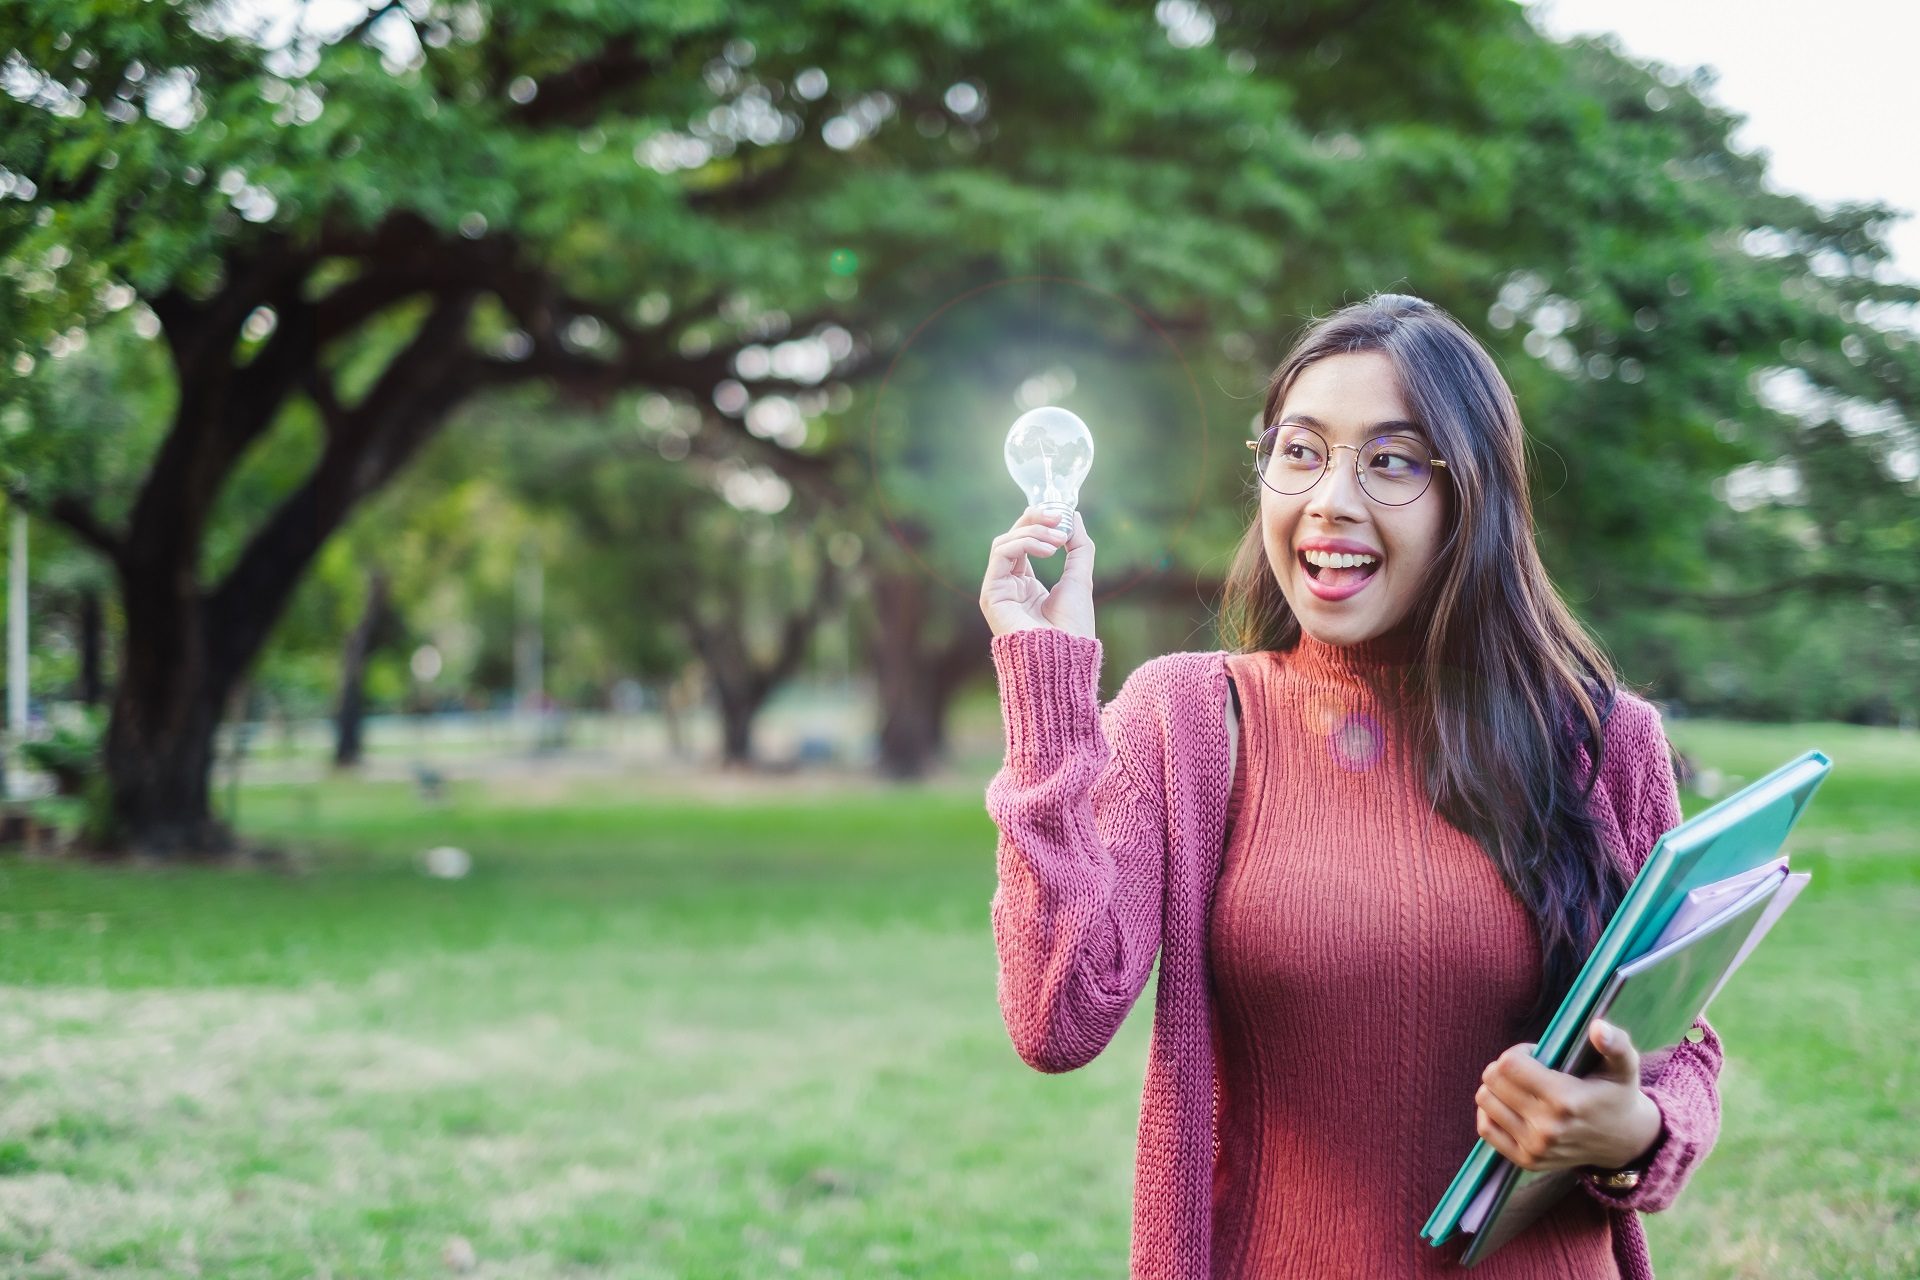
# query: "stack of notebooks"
x,y
1709,891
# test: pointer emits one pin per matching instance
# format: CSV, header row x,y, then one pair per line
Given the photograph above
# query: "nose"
x,y
1337,493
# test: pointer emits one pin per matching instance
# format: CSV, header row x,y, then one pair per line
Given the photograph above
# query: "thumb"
x,y
1079,551
1619,1059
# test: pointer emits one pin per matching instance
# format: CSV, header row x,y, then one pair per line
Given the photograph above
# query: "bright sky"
x,y
1829,90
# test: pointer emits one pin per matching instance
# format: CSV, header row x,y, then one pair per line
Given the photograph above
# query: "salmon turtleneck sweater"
x,y
1367,962
1332,978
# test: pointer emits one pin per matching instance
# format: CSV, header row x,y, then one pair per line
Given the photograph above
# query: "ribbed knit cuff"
x,y
1049,690
1660,1165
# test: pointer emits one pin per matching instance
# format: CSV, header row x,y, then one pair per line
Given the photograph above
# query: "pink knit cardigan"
x,y
1111,826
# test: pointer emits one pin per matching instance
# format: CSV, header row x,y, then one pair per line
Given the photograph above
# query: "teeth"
x,y
1337,560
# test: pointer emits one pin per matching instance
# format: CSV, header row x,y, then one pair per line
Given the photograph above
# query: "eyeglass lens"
x,y
1393,469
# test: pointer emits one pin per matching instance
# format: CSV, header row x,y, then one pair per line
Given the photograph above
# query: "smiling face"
x,y
1349,395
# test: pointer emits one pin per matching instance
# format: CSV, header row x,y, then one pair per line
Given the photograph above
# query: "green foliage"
x,y
70,751
643,192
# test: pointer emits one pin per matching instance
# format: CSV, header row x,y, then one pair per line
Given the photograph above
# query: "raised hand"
x,y
1013,599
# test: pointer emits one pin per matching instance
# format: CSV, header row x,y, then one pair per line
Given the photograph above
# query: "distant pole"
x,y
17,639
17,629
527,656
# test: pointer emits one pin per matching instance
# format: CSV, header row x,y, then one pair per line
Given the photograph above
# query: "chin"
x,y
1341,633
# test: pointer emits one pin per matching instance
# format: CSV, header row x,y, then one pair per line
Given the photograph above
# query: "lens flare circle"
x,y
1322,713
1358,744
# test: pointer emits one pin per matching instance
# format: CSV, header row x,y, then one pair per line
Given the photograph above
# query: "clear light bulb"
x,y
1049,452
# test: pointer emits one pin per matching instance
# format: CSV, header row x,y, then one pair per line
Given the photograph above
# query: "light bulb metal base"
x,y
1062,512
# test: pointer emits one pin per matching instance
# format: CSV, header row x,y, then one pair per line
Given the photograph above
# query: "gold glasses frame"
x,y
1255,446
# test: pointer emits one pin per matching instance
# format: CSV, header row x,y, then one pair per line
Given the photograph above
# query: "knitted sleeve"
x,y
1081,848
1681,1079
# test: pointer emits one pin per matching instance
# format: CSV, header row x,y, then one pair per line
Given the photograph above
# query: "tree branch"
x,y
73,513
407,403
402,256
76,515
277,369
201,334
390,256
800,624
574,95
420,383
320,390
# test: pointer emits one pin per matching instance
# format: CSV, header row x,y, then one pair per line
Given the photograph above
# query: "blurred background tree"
x,y
250,274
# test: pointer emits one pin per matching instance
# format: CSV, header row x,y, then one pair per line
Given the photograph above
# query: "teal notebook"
x,y
1655,1000
1737,840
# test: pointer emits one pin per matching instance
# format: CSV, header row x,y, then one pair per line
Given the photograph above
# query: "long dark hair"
x,y
1507,685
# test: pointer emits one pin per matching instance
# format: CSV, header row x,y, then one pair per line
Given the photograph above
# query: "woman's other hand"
x,y
1542,1119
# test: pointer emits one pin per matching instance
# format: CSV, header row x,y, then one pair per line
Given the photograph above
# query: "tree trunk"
x,y
188,645
740,704
899,594
907,712
918,674
158,753
362,641
741,686
965,656
160,781
908,730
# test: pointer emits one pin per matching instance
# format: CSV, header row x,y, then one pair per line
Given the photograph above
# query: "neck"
x,y
1382,657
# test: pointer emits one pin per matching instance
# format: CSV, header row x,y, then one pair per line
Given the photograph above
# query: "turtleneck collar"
x,y
1380,658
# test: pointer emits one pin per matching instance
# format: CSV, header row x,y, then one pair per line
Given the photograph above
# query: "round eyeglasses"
x,y
1393,470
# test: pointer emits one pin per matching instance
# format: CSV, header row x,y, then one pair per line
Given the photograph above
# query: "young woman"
x,y
1371,843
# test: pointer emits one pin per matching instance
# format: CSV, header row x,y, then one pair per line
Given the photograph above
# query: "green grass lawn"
x,y
652,1035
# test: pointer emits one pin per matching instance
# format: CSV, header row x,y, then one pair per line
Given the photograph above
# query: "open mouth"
x,y
1338,577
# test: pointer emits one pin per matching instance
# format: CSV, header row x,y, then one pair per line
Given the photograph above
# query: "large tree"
x,y
366,228
351,234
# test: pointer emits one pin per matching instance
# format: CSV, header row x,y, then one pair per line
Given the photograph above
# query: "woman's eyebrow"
x,y
1390,424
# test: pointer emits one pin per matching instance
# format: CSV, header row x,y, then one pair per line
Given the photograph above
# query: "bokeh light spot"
x,y
1358,744
1323,711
